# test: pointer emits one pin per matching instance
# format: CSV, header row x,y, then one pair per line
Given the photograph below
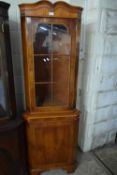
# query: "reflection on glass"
x,y
43,94
3,89
52,43
61,77
42,68
42,39
61,40
2,100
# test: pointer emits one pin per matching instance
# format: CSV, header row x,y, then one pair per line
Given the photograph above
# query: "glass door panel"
x,y
4,93
42,39
43,94
51,43
42,64
61,40
42,68
61,72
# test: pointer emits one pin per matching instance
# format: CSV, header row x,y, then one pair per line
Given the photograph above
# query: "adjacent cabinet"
x,y
12,159
50,38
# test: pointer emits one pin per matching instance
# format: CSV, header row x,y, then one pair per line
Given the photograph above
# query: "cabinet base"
x,y
52,141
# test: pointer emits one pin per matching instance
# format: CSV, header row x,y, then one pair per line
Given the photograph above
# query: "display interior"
x,y
4,95
52,45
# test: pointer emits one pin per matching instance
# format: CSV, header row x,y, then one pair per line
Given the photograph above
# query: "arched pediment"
x,y
45,8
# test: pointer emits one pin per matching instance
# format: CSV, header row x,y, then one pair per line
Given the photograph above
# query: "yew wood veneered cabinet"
x,y
50,38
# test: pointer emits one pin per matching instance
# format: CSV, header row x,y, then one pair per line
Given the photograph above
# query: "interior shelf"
x,y
45,82
39,54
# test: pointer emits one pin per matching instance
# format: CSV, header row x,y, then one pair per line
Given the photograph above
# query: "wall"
x,y
98,124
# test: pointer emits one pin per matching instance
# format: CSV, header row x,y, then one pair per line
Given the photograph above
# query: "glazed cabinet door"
x,y
50,61
4,88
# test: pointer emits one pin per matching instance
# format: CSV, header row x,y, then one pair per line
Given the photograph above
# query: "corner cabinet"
x,y
50,38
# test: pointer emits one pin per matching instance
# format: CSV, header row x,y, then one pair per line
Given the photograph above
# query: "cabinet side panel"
x,y
72,63
75,30
78,30
25,61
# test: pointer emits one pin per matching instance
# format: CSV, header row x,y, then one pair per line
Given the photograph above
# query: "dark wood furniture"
x,y
12,160
50,38
12,153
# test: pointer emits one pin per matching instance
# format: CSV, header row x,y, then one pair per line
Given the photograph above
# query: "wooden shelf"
x,y
63,55
41,83
42,54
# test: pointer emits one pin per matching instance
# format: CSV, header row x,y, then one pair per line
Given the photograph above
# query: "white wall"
x,y
99,107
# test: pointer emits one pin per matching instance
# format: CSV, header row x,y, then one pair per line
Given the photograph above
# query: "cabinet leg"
x,y
71,169
35,173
